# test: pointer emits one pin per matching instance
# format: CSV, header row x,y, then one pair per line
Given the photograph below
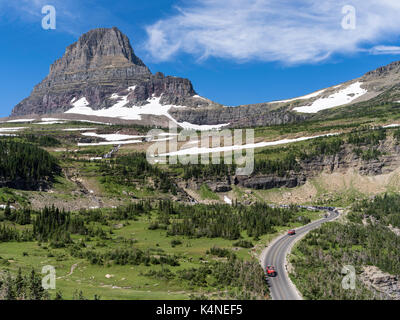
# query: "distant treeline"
x,y
25,166
41,140
233,279
133,168
56,226
223,221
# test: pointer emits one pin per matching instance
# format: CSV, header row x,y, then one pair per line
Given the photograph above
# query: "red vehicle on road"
x,y
271,271
291,232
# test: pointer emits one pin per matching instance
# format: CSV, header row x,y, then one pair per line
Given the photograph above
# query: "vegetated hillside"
x,y
189,250
368,150
135,169
149,248
383,209
367,239
25,166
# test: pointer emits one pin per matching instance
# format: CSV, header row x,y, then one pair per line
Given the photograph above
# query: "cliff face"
x,y
99,49
242,116
101,63
345,160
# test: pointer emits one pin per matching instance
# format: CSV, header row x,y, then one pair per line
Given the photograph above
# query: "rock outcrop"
x,y
343,161
382,282
241,116
272,181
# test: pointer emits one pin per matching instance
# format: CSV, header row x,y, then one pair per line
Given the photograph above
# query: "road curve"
x,y
275,254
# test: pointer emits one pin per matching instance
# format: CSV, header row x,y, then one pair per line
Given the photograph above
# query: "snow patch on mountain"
x,y
204,150
12,129
78,129
395,125
111,137
202,127
119,110
20,120
107,143
199,97
340,98
80,103
50,121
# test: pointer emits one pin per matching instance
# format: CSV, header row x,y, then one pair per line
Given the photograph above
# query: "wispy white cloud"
x,y
380,50
299,31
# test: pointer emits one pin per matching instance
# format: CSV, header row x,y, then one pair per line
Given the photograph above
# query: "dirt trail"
x,y
73,267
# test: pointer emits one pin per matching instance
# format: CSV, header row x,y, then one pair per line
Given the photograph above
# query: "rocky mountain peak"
x,y
97,49
100,66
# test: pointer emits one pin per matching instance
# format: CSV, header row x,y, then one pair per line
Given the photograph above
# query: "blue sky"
x,y
235,52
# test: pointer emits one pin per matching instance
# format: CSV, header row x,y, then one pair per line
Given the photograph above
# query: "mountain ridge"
x,y
102,70
102,63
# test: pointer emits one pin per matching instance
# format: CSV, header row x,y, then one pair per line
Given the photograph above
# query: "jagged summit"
x,y
98,48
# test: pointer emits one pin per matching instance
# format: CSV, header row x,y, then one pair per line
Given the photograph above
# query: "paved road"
x,y
281,287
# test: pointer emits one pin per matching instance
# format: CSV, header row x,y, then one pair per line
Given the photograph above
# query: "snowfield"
x,y
199,97
80,103
197,150
116,138
111,137
202,127
119,110
107,143
79,129
50,122
20,120
391,126
50,119
342,97
12,129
